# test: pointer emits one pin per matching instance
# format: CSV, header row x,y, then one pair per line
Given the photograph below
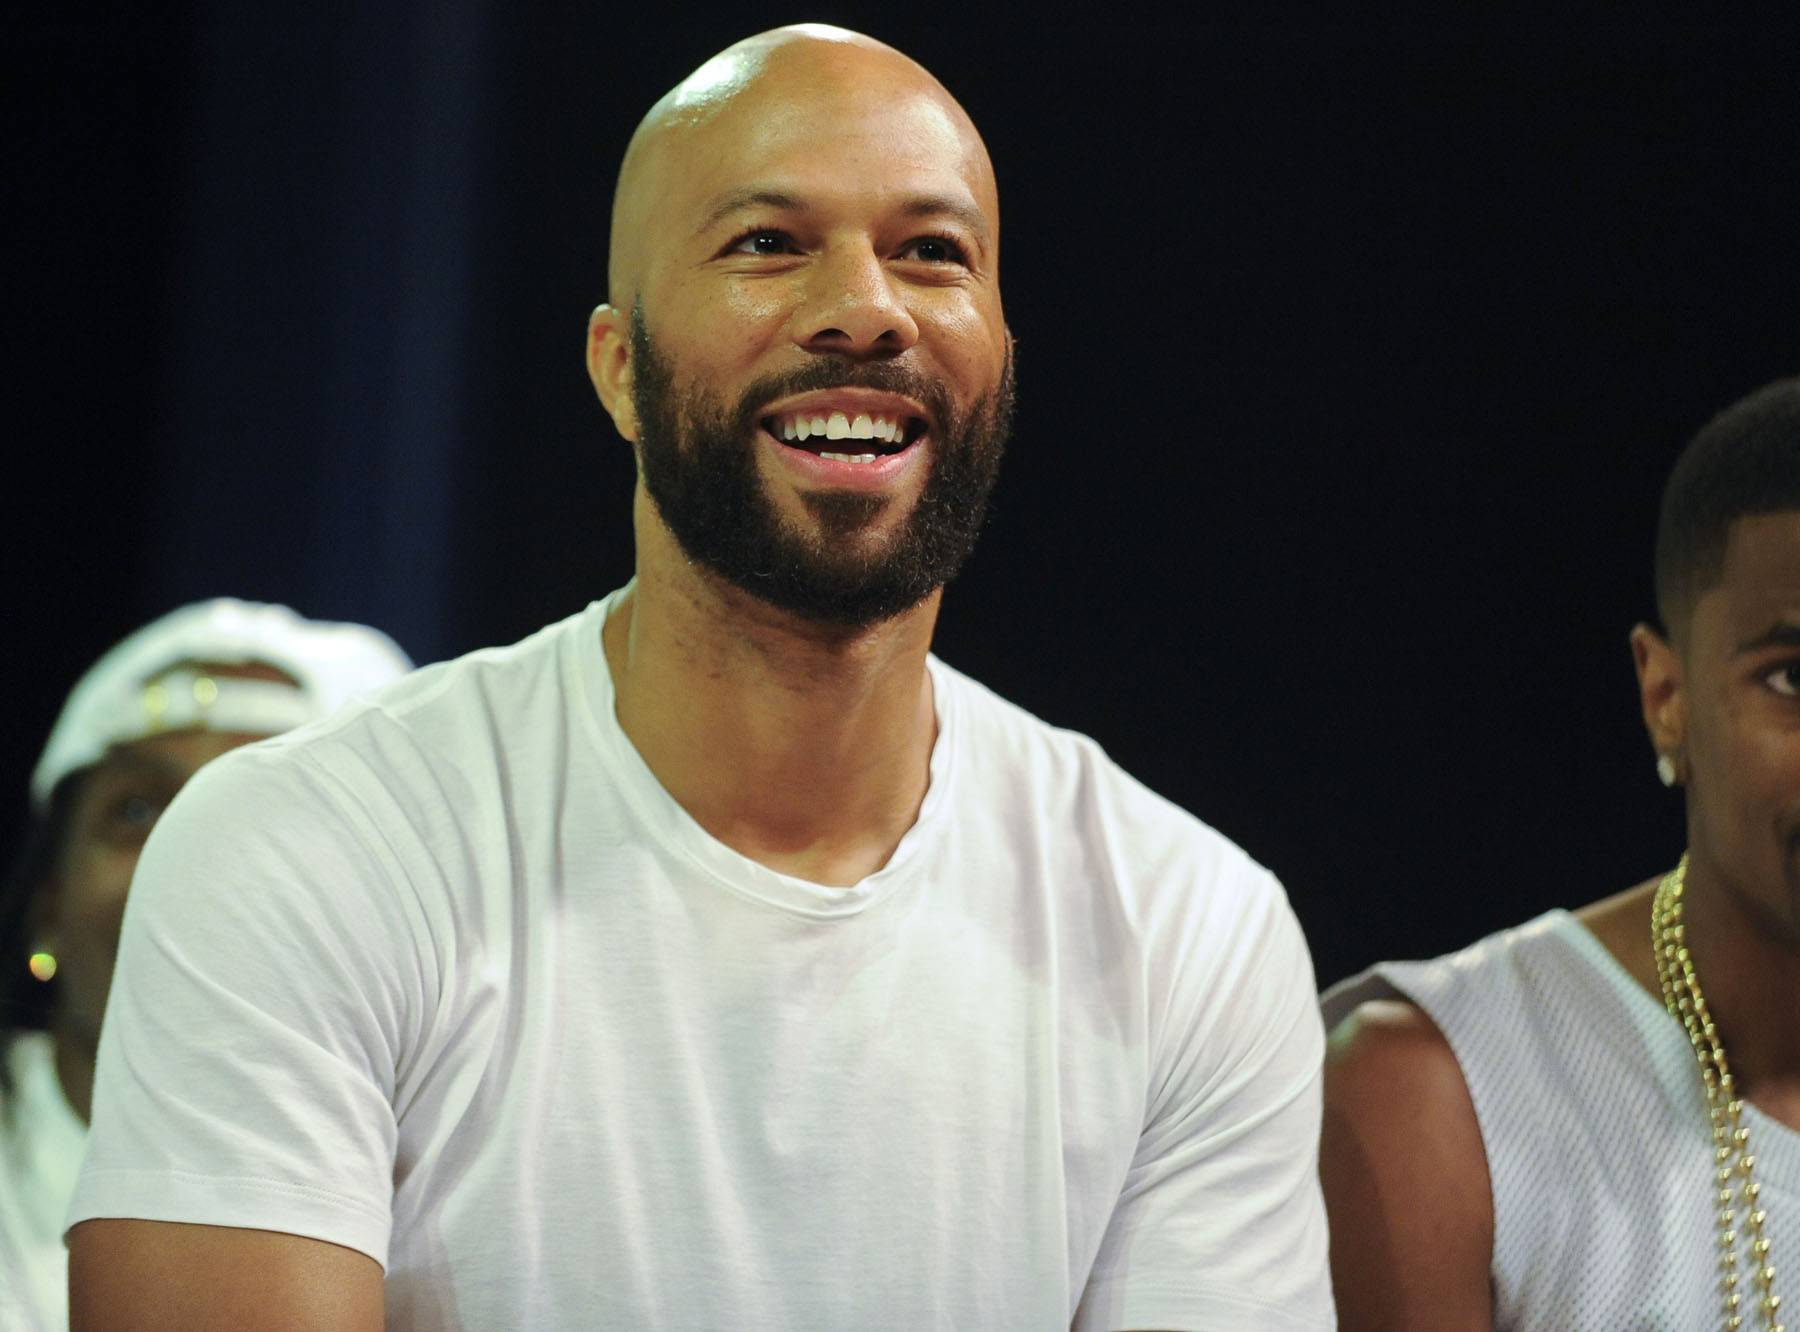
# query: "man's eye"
x,y
1785,680
935,250
763,242
136,813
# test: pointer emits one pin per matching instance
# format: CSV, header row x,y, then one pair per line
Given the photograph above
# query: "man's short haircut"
x,y
1744,462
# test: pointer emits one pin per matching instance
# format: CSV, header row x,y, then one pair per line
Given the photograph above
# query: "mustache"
x,y
837,372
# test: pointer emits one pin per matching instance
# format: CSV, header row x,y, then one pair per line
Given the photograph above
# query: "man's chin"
x,y
840,557
831,592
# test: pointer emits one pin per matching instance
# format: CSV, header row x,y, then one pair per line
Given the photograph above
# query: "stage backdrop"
x,y
1352,357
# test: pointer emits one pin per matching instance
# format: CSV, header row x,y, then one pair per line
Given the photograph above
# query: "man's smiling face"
x,y
1742,683
820,374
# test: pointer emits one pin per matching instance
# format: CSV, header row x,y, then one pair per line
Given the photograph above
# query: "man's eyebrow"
x,y
921,205
129,764
1783,633
943,205
751,196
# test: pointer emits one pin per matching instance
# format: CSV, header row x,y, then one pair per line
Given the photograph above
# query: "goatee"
x,y
699,463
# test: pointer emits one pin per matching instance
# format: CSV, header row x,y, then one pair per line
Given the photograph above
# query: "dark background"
x,y
1353,353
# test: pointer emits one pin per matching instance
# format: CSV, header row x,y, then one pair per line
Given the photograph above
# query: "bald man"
x,y
717,958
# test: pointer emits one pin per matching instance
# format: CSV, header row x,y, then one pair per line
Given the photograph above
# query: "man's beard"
x,y
699,464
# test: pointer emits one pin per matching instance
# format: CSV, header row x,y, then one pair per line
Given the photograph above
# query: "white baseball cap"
x,y
155,680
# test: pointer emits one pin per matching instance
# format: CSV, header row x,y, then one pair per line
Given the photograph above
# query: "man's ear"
x,y
1662,695
609,366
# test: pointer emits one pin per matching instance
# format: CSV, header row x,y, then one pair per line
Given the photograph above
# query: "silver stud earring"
x,y
1665,769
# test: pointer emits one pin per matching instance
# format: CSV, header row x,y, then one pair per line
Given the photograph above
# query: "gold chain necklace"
x,y
1731,1140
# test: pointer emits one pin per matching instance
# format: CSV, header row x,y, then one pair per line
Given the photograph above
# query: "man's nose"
x,y
851,307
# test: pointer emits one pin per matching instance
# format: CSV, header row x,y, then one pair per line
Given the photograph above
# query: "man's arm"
x,y
1406,1178
162,1276
266,989
1220,1223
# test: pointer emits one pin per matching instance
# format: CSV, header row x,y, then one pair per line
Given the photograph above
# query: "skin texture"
x,y
804,746
735,705
132,1276
1405,1178
1404,1171
1724,701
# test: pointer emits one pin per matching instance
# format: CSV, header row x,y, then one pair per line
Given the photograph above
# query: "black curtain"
x,y
1352,358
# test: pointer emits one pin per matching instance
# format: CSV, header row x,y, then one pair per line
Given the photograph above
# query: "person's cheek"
x,y
93,908
107,910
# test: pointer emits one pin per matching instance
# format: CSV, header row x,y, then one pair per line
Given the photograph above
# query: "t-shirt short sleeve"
x,y
267,982
1221,1222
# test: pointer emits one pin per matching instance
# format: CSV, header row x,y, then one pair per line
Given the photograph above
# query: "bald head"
x,y
805,248
767,95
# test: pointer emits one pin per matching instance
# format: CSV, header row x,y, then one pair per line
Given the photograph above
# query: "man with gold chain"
x,y
1590,1121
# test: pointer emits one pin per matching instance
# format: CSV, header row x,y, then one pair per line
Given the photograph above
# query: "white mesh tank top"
x,y
1598,1144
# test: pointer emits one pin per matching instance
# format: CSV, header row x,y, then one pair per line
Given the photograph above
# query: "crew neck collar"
x,y
677,831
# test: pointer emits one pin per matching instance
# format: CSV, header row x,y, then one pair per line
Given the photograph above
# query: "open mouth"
x,y
854,437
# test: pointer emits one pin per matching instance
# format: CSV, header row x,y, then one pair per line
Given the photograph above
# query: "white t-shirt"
x,y
1594,1121
41,1139
450,979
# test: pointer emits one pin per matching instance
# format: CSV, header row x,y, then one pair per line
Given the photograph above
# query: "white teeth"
x,y
849,457
840,425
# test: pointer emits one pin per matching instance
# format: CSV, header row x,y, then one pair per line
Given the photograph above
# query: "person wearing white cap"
x,y
199,681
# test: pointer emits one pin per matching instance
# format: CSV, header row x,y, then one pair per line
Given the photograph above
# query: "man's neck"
x,y
805,748
1748,968
1746,971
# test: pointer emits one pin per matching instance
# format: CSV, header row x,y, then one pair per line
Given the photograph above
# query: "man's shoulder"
x,y
1002,728
1537,956
482,697
1067,780
379,792
1001,733
413,743
463,689
1533,1006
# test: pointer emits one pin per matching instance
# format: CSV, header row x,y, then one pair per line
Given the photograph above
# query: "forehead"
x,y
1759,581
842,140
171,756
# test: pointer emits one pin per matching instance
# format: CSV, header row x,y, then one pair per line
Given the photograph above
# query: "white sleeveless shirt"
x,y
1598,1144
